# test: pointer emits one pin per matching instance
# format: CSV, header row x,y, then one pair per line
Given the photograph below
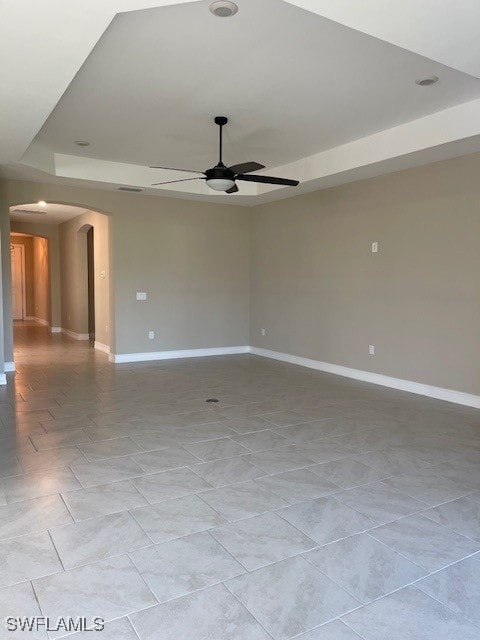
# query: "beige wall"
x,y
41,278
322,294
191,258
51,233
73,252
27,242
303,269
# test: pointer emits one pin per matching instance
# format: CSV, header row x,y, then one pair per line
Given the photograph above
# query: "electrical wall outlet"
x,y
371,349
151,335
374,247
264,332
141,295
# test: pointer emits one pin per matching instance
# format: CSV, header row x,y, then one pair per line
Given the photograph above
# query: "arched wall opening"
x,y
64,232
191,259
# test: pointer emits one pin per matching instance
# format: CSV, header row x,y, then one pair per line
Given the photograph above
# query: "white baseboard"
x,y
75,336
449,395
102,347
9,367
55,329
3,379
171,355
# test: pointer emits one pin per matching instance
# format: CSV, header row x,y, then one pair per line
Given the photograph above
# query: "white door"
x,y
18,281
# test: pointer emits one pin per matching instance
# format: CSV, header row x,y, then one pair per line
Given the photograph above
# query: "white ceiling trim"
x,y
133,175
441,128
438,134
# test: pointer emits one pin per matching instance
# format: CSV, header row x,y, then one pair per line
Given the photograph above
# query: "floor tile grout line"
x,y
444,526
318,545
355,508
447,606
56,550
427,506
129,511
247,610
66,507
385,595
209,532
36,596
369,532
199,495
352,629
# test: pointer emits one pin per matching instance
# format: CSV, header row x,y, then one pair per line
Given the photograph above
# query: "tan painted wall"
x,y
191,258
73,252
27,242
315,285
322,294
41,279
51,232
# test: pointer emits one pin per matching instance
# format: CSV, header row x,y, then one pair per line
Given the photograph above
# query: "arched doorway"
x,y
77,242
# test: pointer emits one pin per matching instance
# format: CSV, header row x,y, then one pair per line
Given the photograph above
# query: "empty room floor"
x,y
300,505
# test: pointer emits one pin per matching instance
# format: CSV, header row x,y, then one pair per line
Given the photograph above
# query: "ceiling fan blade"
x,y
269,180
246,167
156,184
234,189
173,169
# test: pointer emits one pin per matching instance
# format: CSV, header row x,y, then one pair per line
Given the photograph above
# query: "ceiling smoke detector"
x,y
223,9
427,81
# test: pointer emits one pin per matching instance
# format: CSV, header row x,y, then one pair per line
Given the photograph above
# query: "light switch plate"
x,y
141,295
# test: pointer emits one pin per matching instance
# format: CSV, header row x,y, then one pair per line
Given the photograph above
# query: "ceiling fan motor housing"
x,y
220,172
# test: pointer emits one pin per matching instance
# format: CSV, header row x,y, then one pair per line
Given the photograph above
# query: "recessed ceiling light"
x,y
42,203
427,81
223,9
82,143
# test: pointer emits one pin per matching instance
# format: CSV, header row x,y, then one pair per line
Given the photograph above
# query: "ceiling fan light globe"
x,y
220,184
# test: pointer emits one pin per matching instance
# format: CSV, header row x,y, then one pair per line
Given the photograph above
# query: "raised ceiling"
x,y
308,92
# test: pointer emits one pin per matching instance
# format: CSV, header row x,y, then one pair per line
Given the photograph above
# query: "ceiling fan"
x,y
222,178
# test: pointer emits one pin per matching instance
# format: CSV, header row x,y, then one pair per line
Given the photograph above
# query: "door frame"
x,y
24,279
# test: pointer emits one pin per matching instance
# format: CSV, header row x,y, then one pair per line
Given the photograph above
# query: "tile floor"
x,y
301,505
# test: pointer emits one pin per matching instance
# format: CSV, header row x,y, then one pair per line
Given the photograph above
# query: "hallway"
x,y
300,505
